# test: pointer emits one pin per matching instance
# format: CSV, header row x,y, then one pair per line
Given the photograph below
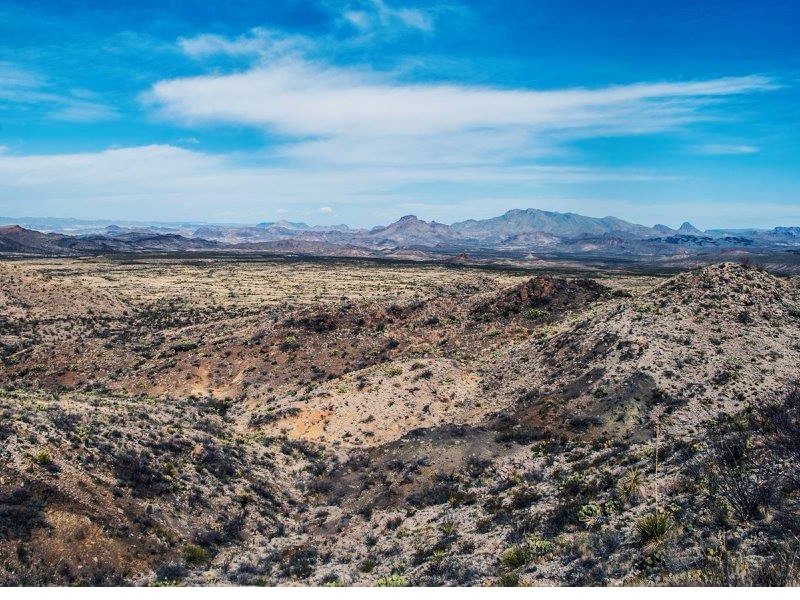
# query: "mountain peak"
x,y
689,229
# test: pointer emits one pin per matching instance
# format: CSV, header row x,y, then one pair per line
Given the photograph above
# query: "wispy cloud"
x,y
716,149
299,97
358,115
171,181
366,19
374,15
28,90
258,42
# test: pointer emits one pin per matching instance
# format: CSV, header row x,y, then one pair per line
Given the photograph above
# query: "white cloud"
x,y
325,210
176,183
359,116
298,97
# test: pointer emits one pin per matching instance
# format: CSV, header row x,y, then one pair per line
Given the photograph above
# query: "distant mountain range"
x,y
17,240
515,233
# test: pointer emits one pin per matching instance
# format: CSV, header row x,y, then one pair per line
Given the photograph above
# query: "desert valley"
x,y
399,293
263,419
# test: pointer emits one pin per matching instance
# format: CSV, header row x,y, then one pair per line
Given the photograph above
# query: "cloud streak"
x,y
306,99
374,15
24,90
723,149
360,116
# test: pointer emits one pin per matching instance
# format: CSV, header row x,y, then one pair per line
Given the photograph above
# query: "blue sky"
x,y
363,111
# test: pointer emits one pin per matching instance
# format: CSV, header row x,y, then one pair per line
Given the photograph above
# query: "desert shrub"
x,y
183,346
509,579
539,546
300,561
449,527
394,522
440,491
654,526
781,422
745,453
195,555
367,565
219,460
515,557
588,513
290,343
732,569
42,458
137,470
534,313
629,487
393,580
524,496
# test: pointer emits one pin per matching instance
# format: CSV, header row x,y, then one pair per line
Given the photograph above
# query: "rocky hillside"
x,y
553,431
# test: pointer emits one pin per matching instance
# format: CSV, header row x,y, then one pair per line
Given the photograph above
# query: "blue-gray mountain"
x,y
516,232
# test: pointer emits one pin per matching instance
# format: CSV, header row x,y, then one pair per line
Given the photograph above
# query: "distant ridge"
x,y
515,231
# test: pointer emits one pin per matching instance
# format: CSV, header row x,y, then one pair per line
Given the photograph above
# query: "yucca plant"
x,y
654,527
630,485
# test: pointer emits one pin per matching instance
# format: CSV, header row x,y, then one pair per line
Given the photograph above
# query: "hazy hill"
x,y
530,220
411,231
18,240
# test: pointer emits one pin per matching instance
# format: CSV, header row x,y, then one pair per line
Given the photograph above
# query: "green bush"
x,y
654,527
534,313
393,580
509,580
367,565
588,512
515,557
195,555
289,343
42,457
449,527
538,546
